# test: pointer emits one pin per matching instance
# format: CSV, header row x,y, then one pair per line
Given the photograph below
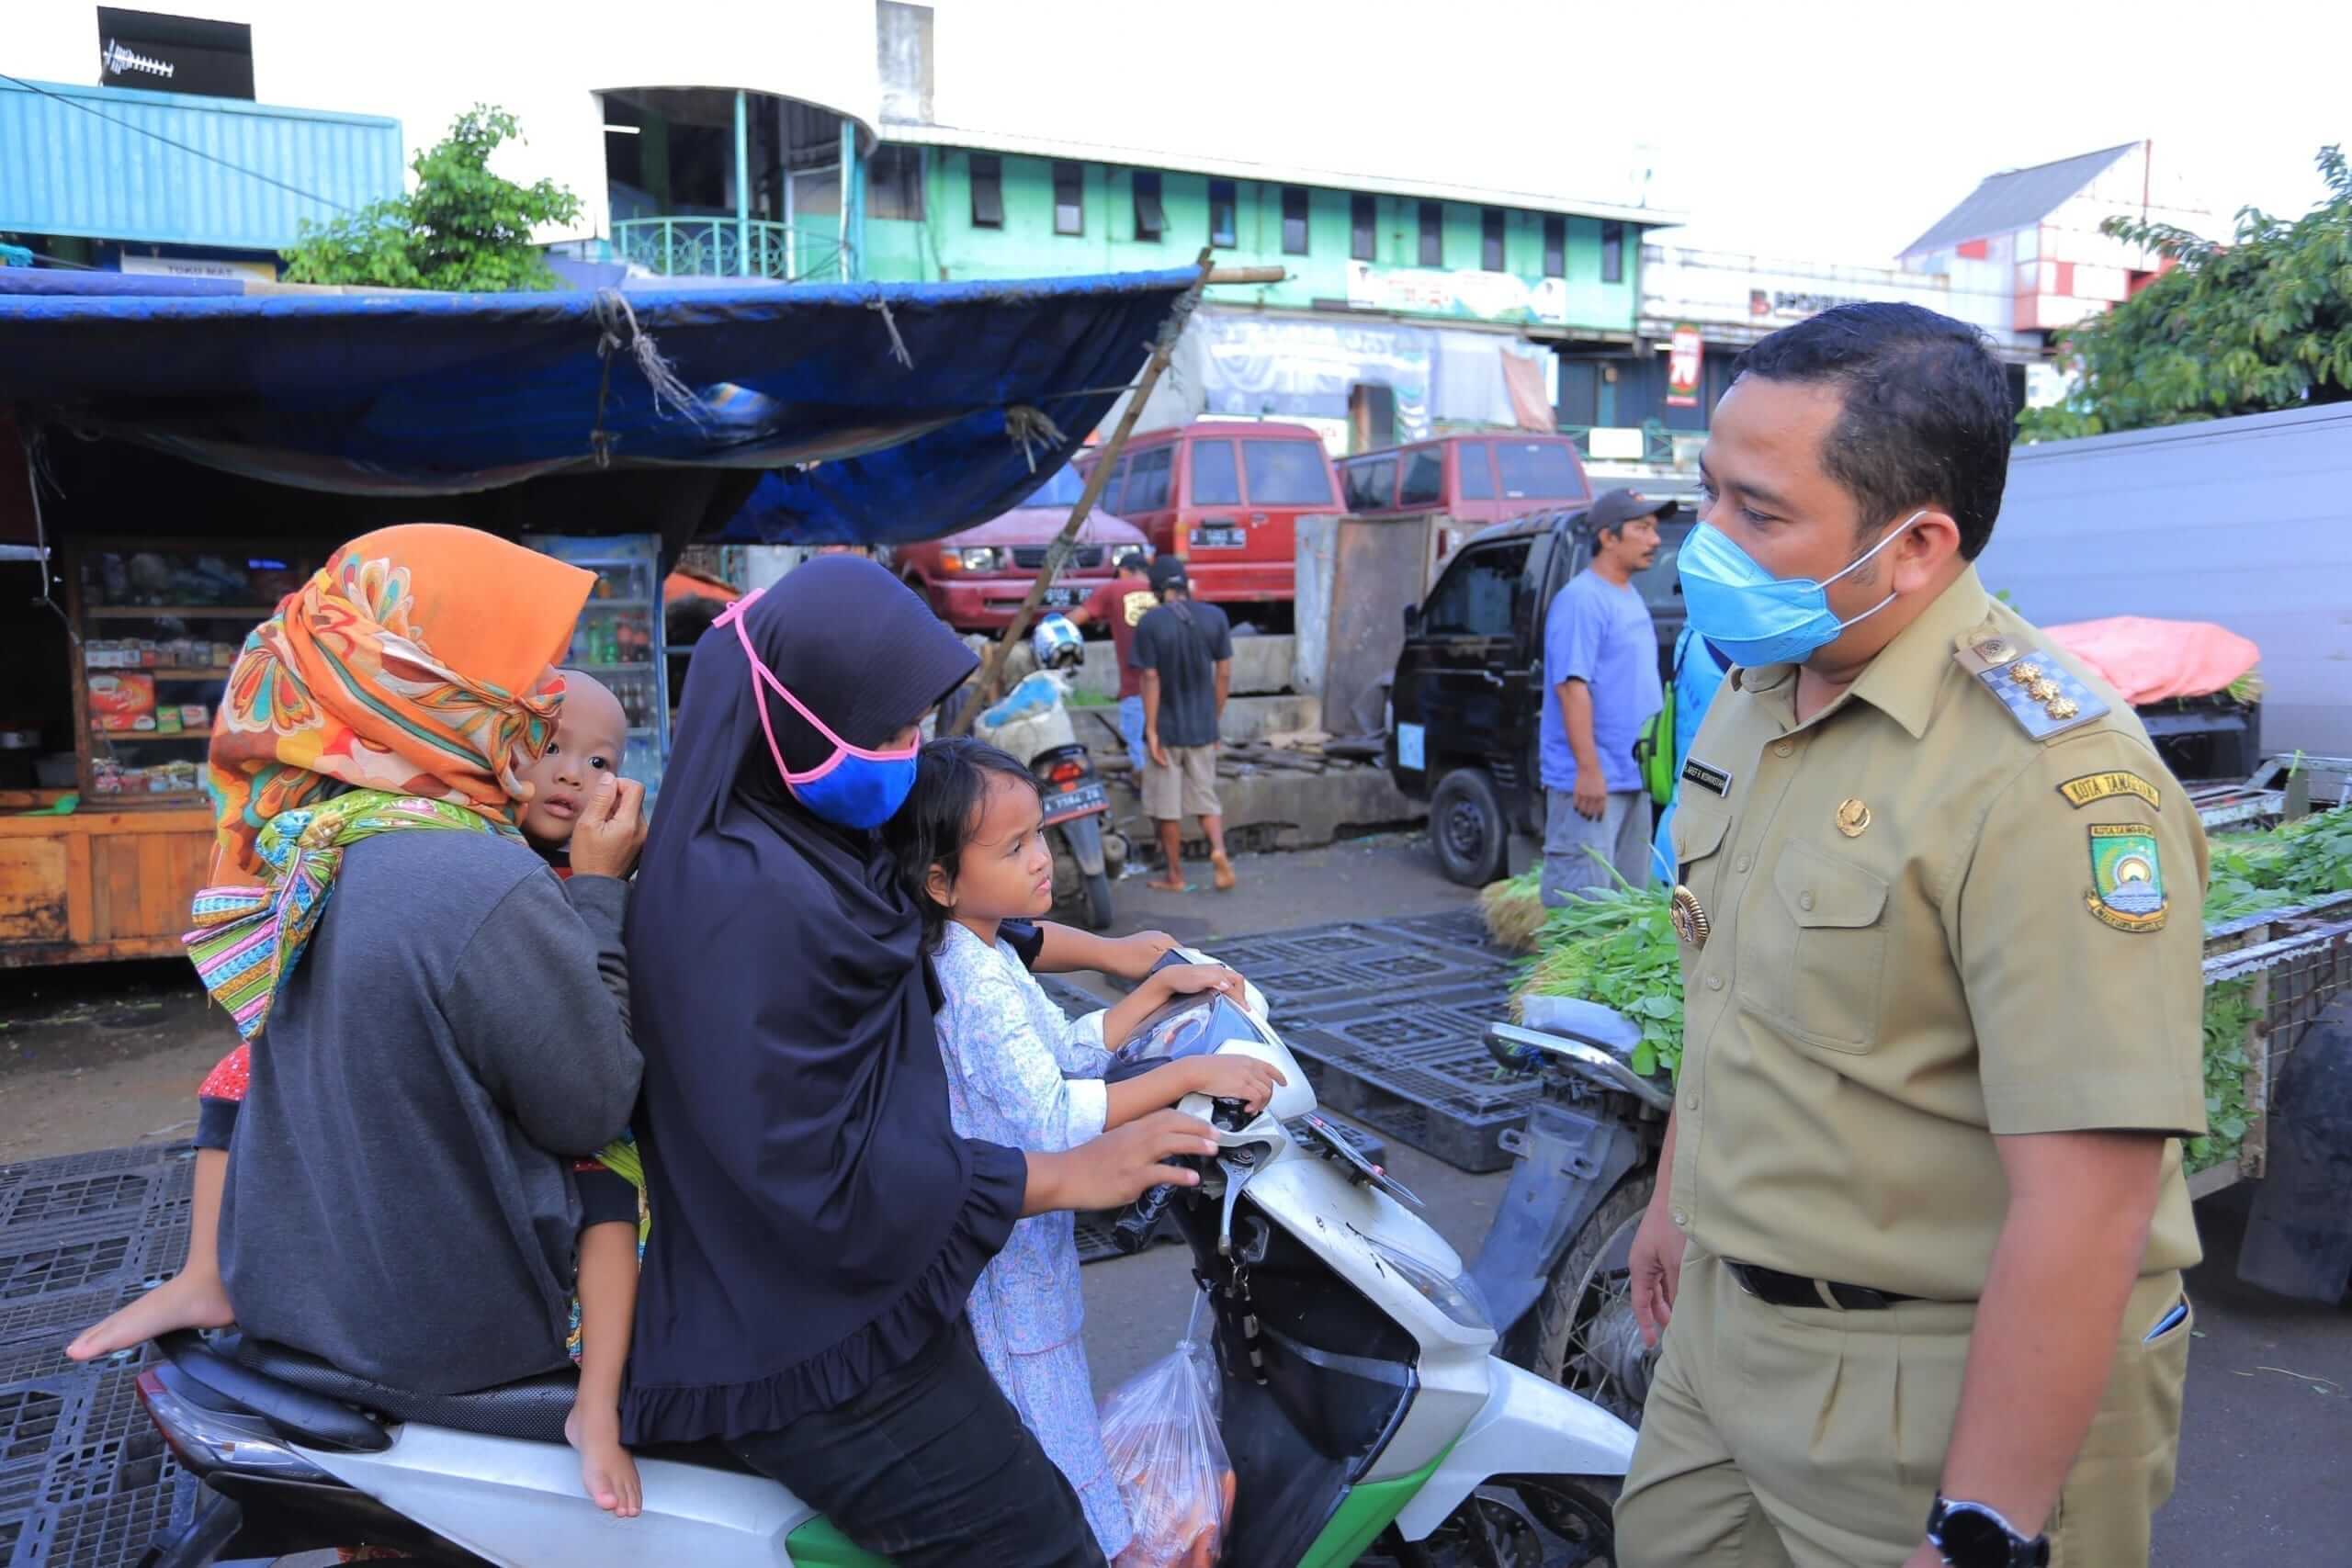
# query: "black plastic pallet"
x,y
1426,1109
1464,928
103,1532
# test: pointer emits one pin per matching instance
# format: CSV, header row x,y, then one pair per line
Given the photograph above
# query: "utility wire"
x,y
182,146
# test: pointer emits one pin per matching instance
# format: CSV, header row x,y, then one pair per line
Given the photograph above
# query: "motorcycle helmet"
x,y
1056,644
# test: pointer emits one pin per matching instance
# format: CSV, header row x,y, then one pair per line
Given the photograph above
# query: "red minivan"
x,y
1475,480
1226,495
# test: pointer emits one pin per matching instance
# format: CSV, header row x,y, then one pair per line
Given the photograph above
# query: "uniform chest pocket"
x,y
1698,837
1817,955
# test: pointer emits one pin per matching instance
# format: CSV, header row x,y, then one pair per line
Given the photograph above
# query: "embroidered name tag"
x,y
2081,792
1705,778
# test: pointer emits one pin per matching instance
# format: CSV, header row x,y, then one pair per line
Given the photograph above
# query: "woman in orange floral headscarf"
x,y
413,672
418,661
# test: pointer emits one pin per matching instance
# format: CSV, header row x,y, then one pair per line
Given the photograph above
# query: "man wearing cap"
x,y
1184,653
1601,674
1916,1244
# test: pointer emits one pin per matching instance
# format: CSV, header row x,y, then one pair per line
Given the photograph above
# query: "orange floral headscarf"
x,y
418,660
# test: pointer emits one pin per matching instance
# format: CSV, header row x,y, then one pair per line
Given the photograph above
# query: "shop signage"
x,y
201,266
1480,296
1684,359
1792,304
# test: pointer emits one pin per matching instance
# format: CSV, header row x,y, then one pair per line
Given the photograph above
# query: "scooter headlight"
x,y
1456,1295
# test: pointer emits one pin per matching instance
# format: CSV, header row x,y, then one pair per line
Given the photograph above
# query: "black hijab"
x,y
815,1220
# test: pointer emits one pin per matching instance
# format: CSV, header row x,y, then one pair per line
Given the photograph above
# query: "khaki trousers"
x,y
1815,1438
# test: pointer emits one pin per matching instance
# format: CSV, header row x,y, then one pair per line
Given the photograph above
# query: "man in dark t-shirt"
x,y
1185,655
1121,604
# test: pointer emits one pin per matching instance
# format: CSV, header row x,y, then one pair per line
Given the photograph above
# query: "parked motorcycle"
x,y
1033,723
1363,1408
1556,1262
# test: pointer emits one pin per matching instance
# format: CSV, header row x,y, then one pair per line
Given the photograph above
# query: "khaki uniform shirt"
x,y
1928,923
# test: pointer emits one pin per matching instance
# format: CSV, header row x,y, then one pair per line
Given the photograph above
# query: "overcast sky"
x,y
1820,128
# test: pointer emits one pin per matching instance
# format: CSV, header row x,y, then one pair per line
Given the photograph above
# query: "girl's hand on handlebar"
x,y
1191,979
1119,1167
1236,1076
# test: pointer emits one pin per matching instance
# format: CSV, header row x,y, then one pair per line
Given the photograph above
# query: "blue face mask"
x,y
1757,618
855,788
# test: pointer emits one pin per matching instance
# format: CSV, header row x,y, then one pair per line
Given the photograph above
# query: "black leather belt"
x,y
1780,1290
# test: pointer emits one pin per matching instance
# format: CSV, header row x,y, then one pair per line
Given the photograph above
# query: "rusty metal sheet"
x,y
1378,568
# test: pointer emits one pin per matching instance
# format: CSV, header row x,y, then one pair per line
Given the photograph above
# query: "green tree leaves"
x,y
2263,323
462,229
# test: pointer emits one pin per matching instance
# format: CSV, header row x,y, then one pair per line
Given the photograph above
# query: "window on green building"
x,y
1152,218
1432,233
987,191
1490,239
1221,209
1294,221
894,183
1612,252
1069,199
1555,246
1364,228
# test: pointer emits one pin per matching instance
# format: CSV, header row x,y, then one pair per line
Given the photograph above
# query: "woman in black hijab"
x,y
816,1223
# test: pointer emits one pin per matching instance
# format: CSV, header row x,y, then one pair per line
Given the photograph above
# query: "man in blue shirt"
x,y
1601,676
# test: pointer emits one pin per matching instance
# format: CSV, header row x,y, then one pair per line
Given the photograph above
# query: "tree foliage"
x,y
463,228
2261,322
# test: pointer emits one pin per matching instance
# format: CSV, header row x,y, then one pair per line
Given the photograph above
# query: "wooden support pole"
x,y
985,683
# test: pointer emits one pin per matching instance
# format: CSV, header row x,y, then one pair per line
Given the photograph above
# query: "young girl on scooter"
x,y
970,844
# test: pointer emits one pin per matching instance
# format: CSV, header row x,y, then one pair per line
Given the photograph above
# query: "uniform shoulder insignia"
x,y
2045,697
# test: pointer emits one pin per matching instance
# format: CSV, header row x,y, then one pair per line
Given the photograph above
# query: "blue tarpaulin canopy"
x,y
884,412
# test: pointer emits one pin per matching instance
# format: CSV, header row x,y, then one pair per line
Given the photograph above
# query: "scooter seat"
x,y
533,1409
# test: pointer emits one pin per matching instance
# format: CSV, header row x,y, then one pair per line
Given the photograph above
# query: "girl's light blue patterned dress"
x,y
1021,1073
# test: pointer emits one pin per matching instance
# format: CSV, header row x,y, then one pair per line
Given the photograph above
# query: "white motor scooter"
x,y
1362,1407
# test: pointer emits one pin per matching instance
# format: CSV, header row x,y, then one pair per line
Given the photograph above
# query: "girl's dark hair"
x,y
931,828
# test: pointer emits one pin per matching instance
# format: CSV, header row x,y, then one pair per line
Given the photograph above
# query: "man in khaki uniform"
x,y
1921,1239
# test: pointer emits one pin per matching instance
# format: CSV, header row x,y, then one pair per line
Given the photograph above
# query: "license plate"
x,y
1061,598
1219,539
1082,801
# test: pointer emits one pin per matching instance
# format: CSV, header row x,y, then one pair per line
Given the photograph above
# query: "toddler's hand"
x,y
612,828
1236,1076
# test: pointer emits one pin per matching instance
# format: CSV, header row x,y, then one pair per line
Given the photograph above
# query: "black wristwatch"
x,y
1970,1535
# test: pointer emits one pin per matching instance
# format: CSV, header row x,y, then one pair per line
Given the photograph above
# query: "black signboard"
x,y
174,54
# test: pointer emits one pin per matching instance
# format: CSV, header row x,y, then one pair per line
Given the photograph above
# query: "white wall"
x,y
428,61
1716,290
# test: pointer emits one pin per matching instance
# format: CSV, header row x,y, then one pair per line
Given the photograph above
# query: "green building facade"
x,y
940,213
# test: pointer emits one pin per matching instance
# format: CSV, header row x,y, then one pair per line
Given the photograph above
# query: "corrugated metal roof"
x,y
2017,198
170,168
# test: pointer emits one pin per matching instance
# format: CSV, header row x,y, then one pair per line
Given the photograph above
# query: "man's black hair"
x,y
1131,561
941,813
1926,418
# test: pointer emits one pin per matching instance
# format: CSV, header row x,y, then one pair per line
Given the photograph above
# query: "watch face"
x,y
1973,1539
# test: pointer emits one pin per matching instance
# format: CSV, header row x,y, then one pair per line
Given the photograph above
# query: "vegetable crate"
x,y
2268,977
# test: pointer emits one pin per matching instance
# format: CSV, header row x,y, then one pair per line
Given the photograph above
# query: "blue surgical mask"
x,y
1757,618
855,786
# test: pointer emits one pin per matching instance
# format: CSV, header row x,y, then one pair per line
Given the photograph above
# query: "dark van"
x,y
1466,707
1227,496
